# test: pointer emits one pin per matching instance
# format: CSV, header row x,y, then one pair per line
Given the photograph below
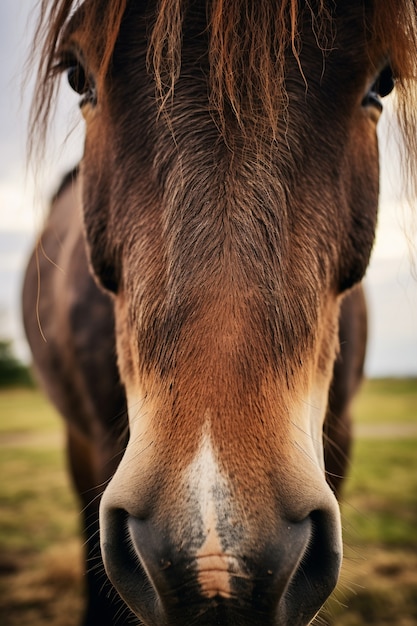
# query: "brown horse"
x,y
228,197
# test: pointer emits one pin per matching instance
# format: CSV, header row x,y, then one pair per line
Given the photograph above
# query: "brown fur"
x,y
72,341
227,230
77,367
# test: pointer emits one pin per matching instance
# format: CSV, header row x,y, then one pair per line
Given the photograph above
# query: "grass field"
x,y
40,550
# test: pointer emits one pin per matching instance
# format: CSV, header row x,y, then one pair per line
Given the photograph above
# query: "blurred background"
x,y
40,573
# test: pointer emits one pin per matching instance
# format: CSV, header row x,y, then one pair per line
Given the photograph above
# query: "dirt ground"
x,y
42,589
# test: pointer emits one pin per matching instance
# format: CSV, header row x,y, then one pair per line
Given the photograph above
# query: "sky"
x,y
390,287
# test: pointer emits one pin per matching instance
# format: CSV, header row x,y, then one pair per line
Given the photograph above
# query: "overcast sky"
x,y
392,292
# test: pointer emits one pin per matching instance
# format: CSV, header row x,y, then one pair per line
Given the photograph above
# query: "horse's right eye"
x,y
82,83
77,79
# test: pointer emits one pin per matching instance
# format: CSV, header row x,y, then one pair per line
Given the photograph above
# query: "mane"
x,y
54,16
395,28
247,44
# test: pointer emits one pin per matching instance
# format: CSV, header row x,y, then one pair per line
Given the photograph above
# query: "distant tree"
x,y
12,371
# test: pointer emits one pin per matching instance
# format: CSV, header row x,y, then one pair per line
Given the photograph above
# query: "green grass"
x,y
24,410
40,548
37,503
379,514
387,401
381,493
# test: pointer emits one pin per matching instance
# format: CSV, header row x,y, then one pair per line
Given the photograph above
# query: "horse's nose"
x,y
168,581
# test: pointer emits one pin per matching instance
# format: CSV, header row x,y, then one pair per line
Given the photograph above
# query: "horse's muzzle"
x,y
283,583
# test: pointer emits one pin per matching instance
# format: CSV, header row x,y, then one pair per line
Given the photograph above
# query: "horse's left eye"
x,y
385,82
382,87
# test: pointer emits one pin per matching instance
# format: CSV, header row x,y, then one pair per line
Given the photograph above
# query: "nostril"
x,y
154,552
124,569
318,571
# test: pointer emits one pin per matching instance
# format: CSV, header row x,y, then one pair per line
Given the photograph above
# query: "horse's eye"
x,y
385,82
77,79
82,83
382,87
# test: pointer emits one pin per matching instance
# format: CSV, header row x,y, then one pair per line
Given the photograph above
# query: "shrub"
x,y
12,371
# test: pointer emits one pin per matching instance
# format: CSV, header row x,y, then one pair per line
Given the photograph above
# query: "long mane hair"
x,y
247,42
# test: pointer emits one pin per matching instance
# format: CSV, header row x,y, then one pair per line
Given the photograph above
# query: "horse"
x,y
193,304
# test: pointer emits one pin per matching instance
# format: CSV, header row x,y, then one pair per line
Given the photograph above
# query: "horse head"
x,y
230,190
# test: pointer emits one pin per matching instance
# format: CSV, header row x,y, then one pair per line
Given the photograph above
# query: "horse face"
x,y
227,263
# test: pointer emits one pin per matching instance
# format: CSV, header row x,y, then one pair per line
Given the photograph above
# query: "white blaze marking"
x,y
210,486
